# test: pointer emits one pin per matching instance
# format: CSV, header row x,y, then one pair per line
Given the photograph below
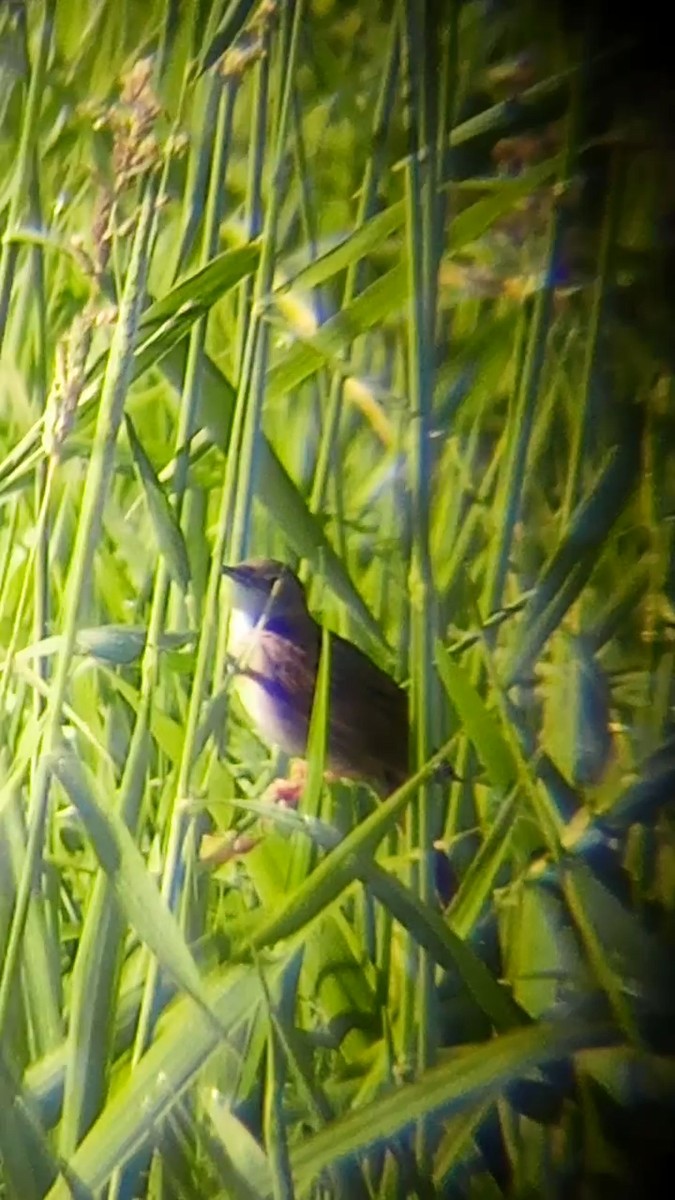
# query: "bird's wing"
x,y
368,718
368,713
290,669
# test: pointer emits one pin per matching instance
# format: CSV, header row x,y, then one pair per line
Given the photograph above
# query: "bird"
x,y
275,644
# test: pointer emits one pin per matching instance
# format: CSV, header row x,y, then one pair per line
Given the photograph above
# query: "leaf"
x,y
167,530
422,921
184,1040
480,876
387,295
143,1098
168,734
447,949
578,712
465,1076
167,321
483,730
134,887
349,250
651,792
571,564
470,224
114,644
248,1167
277,492
28,1161
335,872
543,101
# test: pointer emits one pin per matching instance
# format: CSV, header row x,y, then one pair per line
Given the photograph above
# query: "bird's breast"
x,y
263,711
267,704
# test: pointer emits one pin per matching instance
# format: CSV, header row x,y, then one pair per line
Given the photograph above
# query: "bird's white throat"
x,y
239,632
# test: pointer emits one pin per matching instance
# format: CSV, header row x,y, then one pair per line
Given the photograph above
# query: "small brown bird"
x,y
367,736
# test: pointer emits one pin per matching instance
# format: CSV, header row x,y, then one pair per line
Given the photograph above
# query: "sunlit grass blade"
x,y
380,291
574,559
29,1164
246,1167
466,1075
480,878
130,1121
167,530
123,864
482,727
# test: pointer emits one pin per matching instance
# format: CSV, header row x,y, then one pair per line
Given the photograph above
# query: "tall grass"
x,y
328,282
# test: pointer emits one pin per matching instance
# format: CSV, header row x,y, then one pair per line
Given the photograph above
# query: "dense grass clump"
x,y
382,291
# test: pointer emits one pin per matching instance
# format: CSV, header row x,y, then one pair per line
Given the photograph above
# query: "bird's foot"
x,y
217,849
288,791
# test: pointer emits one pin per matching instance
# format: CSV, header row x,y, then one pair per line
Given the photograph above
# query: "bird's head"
x,y
266,589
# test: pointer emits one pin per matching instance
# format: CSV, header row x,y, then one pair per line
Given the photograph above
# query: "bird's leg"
x,y
217,849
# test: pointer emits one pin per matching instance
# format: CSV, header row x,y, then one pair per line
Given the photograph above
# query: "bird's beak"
x,y
233,572
239,581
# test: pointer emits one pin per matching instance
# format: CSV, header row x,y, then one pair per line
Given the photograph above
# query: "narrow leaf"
x,y
482,728
466,1076
168,533
134,887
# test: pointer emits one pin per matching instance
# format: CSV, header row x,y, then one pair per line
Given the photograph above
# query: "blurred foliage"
x,y
383,290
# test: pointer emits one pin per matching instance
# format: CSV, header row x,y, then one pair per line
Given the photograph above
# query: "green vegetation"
x,y
376,289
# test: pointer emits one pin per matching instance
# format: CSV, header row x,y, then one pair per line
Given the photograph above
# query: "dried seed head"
x,y
133,120
102,230
70,369
137,91
247,49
